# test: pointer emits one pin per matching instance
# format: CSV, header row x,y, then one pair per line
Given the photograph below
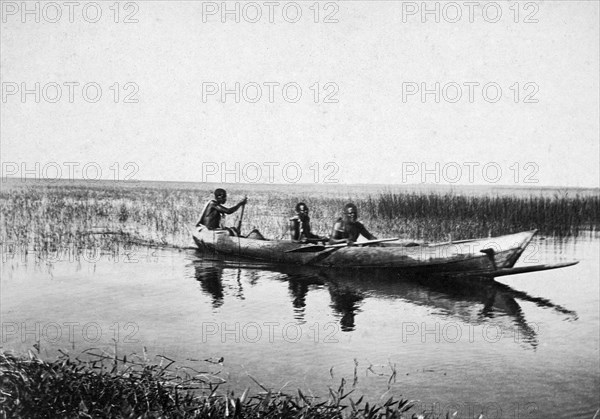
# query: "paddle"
x,y
319,248
239,224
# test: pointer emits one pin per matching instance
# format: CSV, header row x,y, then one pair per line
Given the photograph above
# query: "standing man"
x,y
347,229
213,216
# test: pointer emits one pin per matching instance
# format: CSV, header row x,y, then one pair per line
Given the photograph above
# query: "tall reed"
x,y
44,216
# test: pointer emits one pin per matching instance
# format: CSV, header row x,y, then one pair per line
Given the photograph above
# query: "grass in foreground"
x,y
67,387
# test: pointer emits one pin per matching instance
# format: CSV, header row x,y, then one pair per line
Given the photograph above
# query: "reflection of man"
x,y
213,216
347,229
345,302
210,282
300,226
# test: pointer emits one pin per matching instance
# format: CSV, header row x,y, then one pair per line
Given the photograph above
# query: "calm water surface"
x,y
525,346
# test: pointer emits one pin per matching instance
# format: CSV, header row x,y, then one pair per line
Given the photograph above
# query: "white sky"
x,y
371,135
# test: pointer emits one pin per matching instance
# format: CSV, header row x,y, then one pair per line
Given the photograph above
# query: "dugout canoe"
x,y
493,254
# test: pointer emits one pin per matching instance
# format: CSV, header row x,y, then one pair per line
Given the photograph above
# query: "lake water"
x,y
524,346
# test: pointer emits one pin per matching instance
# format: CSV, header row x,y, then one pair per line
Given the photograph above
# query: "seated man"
x,y
213,216
347,229
300,226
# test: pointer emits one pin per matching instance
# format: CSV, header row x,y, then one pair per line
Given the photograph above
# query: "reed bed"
x,y
120,388
434,216
42,217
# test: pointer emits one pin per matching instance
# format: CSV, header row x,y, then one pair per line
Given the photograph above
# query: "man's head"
x,y
350,213
302,210
220,195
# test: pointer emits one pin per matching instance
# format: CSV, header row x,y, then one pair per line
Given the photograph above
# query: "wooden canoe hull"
x,y
445,257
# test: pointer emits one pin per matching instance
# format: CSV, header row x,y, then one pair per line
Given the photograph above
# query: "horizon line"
x,y
5,179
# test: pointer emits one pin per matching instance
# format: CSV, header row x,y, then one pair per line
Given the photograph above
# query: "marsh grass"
x,y
136,388
435,216
42,217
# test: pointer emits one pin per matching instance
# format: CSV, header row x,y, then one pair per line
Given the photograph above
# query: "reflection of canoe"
x,y
482,255
470,301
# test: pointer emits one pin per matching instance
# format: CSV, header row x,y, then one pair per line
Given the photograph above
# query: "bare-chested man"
x,y
213,216
347,229
300,226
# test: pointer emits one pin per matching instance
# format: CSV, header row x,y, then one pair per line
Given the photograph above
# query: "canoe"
x,y
481,255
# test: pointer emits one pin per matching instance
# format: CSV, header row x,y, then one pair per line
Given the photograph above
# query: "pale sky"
x,y
364,59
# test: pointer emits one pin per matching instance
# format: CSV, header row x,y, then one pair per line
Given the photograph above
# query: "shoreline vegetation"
x,y
43,216
46,217
114,387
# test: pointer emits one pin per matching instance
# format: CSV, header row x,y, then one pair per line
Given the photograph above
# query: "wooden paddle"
x,y
319,248
239,224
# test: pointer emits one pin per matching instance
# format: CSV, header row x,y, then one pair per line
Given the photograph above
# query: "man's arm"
x,y
224,210
337,234
365,233
312,237
309,234
295,229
